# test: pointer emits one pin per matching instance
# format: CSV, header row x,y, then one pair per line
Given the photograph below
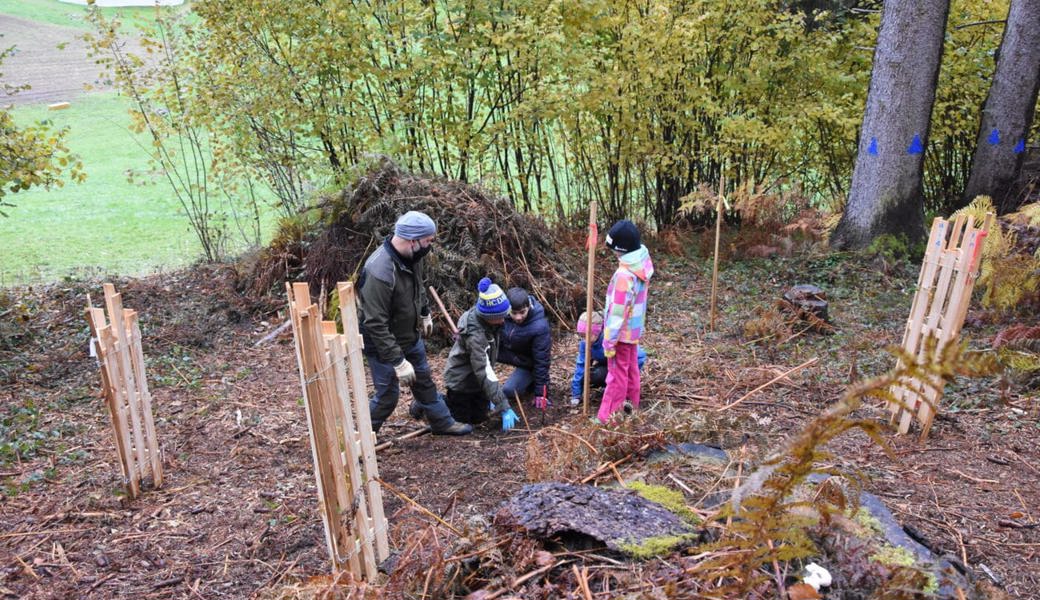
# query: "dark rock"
x,y
699,452
579,514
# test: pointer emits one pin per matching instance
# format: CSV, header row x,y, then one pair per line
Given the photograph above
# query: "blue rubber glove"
x,y
508,420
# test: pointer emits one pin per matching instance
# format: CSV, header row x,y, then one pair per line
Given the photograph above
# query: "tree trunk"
x,y
1009,109
886,196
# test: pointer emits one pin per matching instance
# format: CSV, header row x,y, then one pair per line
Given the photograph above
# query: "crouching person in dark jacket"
x,y
527,345
474,393
394,315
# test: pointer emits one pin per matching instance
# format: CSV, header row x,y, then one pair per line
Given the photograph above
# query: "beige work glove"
x,y
405,372
427,326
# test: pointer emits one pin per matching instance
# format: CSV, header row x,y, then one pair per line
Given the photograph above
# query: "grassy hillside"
x,y
105,224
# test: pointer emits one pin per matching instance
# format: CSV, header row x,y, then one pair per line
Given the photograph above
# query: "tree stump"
x,y
808,299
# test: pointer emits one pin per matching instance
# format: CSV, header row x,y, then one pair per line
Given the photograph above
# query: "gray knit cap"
x,y
414,225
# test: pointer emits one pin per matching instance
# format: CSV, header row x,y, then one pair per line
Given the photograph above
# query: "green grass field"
x,y
105,225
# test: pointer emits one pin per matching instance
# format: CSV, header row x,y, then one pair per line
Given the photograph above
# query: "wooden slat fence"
x,y
944,287
342,443
117,340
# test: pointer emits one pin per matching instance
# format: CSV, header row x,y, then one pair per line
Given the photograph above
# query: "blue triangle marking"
x,y
916,147
994,137
1020,147
872,149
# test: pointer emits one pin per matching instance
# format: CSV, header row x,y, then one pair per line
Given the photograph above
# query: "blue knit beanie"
x,y
491,301
414,225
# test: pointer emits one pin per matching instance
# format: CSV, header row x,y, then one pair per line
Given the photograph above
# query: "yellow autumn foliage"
x,y
1006,277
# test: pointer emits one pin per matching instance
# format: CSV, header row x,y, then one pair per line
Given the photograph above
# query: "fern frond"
x,y
1016,333
769,520
977,209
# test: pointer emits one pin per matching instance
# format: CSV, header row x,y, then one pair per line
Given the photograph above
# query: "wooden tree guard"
x,y
342,442
951,265
121,361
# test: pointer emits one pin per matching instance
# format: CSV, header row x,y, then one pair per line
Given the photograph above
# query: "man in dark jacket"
x,y
394,315
469,374
527,345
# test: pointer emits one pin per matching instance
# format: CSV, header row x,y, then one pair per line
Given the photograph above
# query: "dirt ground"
x,y
237,516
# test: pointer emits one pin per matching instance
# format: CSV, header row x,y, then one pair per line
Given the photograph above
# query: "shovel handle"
x,y
436,298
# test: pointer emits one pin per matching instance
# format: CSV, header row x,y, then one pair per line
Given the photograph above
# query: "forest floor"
x,y
237,515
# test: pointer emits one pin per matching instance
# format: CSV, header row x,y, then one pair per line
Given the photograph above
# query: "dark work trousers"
x,y
468,407
388,390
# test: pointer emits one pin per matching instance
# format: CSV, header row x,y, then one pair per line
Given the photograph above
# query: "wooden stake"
x,y
611,466
444,311
401,438
523,413
591,242
715,263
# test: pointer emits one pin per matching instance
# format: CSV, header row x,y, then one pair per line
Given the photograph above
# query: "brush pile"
x,y
479,234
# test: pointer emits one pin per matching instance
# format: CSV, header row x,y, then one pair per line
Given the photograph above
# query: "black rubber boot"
x,y
415,411
456,428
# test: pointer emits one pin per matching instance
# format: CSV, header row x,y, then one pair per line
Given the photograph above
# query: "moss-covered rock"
x,y
670,499
653,547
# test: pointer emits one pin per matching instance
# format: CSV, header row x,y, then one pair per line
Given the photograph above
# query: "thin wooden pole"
x,y
444,311
401,438
591,242
767,384
715,265
520,405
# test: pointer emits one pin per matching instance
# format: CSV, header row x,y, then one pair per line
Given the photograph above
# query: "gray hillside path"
x,y
55,75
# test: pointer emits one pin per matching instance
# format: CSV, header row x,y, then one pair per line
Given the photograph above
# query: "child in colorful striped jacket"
x,y
625,315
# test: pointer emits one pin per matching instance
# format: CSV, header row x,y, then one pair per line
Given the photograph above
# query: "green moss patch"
x,y
666,497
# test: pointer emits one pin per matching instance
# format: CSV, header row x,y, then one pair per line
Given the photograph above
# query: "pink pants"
x,y
622,381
